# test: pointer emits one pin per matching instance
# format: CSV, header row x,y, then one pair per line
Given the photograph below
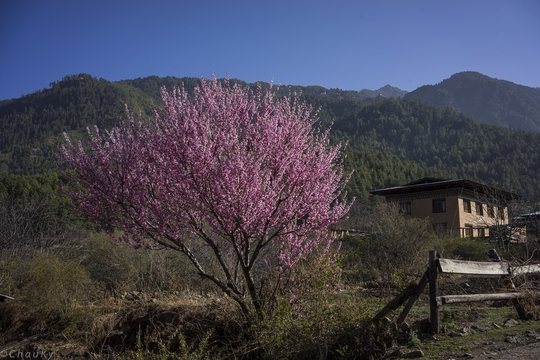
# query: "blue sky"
x,y
346,44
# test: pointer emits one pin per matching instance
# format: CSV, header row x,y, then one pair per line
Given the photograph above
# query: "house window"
x,y
439,205
500,211
467,206
491,211
482,232
440,228
405,207
467,231
479,208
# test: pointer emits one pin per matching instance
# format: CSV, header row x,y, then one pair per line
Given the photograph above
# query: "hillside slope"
x,y
31,127
391,141
489,100
448,140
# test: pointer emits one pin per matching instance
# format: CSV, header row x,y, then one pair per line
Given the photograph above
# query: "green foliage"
x,y
414,341
463,248
35,213
119,268
42,185
313,319
143,349
446,140
325,326
192,352
378,170
316,276
31,127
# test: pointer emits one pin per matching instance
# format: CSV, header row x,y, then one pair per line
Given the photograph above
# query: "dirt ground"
x,y
523,346
519,341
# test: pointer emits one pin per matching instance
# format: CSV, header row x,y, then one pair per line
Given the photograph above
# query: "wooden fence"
x,y
438,265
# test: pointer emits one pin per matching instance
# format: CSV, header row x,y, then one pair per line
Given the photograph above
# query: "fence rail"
x,y
448,266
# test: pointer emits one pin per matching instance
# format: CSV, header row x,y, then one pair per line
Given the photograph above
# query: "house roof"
x,y
534,214
530,221
431,184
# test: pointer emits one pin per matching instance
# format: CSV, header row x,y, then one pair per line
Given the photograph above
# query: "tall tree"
x,y
228,174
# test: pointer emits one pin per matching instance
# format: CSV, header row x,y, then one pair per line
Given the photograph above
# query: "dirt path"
x,y
529,351
524,346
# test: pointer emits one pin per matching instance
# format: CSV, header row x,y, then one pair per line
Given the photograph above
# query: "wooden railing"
x,y
447,266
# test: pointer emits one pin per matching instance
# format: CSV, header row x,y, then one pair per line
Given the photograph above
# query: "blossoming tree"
x,y
227,173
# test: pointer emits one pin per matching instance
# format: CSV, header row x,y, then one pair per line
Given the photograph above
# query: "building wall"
x,y
479,220
423,208
471,223
456,219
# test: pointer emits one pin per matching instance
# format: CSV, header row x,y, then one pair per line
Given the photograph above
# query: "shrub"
x,y
393,253
118,267
314,319
49,294
325,326
463,248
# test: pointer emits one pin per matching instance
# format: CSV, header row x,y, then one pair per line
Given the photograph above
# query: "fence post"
x,y
417,292
433,311
396,302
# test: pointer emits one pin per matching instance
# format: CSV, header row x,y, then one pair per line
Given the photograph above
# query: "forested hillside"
x,y
443,138
489,100
31,127
391,141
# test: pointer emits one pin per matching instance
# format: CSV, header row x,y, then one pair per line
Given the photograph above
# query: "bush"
x,y
463,248
50,294
61,296
315,319
119,268
394,252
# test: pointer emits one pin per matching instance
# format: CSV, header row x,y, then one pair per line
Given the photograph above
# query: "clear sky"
x,y
346,44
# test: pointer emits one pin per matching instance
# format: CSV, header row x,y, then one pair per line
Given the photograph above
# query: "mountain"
x,y
31,126
386,91
391,140
489,100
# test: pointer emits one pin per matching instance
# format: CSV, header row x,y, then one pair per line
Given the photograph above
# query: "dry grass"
x,y
103,301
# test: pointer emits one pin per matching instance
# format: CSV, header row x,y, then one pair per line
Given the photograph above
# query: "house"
x,y
350,227
456,207
530,223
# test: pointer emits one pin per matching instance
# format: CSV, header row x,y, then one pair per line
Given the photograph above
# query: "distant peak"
x,y
490,100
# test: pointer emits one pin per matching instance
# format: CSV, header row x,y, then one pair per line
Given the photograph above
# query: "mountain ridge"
x,y
489,100
391,140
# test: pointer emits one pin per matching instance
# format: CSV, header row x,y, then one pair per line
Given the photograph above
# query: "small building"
x,y
455,207
530,223
350,227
